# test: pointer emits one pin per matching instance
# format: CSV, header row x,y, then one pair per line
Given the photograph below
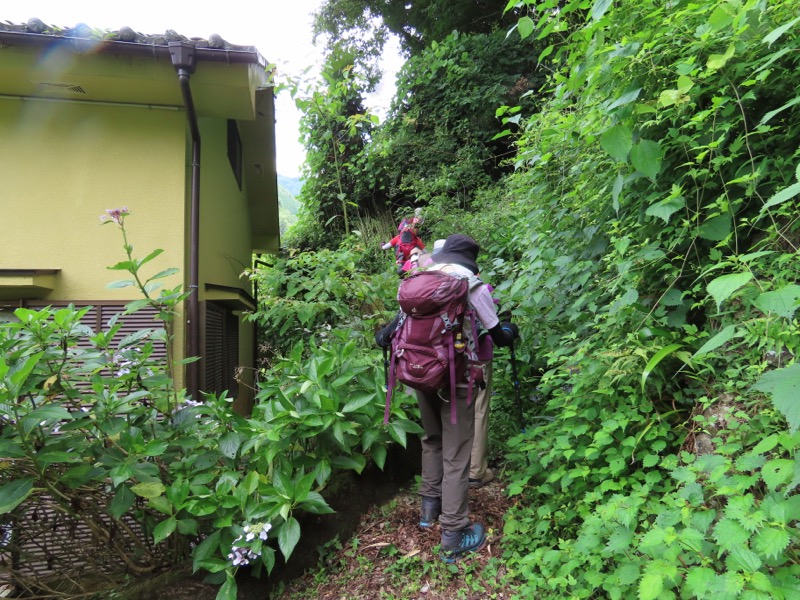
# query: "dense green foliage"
x,y
417,23
657,281
646,242
93,426
440,142
335,129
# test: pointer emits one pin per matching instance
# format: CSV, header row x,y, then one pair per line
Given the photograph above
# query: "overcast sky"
x,y
279,29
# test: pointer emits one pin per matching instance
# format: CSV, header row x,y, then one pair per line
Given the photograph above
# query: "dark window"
x,y
221,354
235,151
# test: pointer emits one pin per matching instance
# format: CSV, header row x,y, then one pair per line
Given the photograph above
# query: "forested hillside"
x,y
631,171
288,188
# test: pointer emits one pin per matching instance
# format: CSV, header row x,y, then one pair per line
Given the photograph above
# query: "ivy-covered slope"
x,y
654,269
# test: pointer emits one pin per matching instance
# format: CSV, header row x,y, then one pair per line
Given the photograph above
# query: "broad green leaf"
x,y
625,99
721,18
48,413
289,536
47,458
20,375
229,444
657,358
356,462
155,448
717,61
121,283
14,493
768,116
782,196
164,273
742,559
164,529
724,286
651,585
525,27
773,35
599,8
729,534
148,489
617,141
783,386
765,445
161,504
357,402
646,158
133,306
685,83
228,590
205,549
627,573
771,541
121,502
315,503
664,209
782,302
671,97
716,228
379,456
777,472
149,257
699,579
718,340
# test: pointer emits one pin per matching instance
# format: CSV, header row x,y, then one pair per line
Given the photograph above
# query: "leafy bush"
x,y
83,416
657,283
312,293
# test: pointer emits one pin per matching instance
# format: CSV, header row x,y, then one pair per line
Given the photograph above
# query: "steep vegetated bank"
x,y
656,280
646,242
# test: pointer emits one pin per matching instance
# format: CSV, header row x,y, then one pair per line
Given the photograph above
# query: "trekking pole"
x,y
516,385
386,366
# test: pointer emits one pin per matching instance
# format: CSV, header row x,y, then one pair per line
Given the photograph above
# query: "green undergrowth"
x,y
656,282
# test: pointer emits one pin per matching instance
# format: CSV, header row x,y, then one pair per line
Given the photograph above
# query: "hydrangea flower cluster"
x,y
244,554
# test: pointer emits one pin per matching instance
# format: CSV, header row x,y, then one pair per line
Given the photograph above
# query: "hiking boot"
x,y
431,509
457,543
488,475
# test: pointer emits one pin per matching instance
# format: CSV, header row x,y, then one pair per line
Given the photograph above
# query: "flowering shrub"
x,y
83,416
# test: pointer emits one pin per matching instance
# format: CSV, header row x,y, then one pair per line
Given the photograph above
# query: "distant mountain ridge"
x,y
292,184
288,189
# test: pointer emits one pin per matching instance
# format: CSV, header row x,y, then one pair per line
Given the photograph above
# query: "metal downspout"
x,y
184,59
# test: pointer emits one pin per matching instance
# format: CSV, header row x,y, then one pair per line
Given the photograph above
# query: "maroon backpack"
x,y
429,349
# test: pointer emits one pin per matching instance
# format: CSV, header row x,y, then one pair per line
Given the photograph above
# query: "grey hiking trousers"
x,y
446,450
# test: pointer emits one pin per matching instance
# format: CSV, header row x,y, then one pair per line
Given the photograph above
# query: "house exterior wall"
x,y
62,164
225,240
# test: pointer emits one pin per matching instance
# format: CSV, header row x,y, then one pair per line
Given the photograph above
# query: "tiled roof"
x,y
124,34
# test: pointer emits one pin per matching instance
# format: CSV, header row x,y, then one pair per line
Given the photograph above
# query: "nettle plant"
x,y
307,294
660,268
83,417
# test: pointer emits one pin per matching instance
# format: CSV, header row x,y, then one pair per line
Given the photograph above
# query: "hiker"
x,y
479,471
447,445
406,241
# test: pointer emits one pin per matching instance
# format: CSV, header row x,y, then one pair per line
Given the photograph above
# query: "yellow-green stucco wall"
x,y
225,240
64,163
